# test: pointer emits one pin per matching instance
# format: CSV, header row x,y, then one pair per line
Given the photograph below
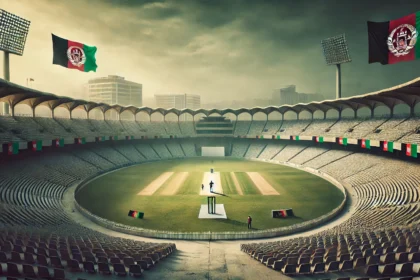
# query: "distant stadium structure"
x,y
407,93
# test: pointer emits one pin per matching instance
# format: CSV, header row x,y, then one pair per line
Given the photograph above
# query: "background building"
x,y
178,101
114,90
288,95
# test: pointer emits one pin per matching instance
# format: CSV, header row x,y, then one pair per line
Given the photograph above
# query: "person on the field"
x,y
211,186
202,186
249,222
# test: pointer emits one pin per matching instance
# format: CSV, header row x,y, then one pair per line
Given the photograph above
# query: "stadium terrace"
x,y
67,185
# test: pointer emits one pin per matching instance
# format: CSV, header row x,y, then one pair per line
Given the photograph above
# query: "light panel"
x,y
13,32
335,50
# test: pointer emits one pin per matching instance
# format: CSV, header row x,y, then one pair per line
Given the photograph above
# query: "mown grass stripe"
x,y
277,181
172,185
156,184
247,186
192,184
227,183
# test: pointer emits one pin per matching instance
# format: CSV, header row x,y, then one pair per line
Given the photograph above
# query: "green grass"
x,y
227,183
112,195
168,184
192,184
246,184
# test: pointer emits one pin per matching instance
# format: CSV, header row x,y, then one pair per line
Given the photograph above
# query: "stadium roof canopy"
x,y
408,93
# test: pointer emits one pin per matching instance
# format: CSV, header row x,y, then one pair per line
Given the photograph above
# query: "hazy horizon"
x,y
221,50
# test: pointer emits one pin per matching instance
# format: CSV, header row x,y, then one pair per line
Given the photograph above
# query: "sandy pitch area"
x,y
259,181
156,184
176,182
217,187
237,185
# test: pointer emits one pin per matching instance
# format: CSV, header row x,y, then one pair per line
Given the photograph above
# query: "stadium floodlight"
x,y
13,33
336,52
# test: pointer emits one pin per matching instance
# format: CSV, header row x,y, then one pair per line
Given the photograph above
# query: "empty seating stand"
x,y
39,240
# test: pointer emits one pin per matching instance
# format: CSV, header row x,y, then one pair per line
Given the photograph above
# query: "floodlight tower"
x,y
13,33
336,52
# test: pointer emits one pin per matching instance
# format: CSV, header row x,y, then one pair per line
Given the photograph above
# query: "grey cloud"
x,y
225,49
129,3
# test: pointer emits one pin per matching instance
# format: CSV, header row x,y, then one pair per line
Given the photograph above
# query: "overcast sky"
x,y
220,49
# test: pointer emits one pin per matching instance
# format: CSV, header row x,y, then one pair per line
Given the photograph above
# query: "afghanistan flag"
x,y
73,55
135,214
80,140
365,143
394,41
342,141
35,145
319,139
411,150
11,148
59,142
283,213
388,146
296,138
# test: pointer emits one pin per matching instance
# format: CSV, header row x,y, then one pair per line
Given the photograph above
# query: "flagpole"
x,y
28,81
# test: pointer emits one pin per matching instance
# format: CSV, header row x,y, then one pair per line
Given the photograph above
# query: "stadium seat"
x,y
12,269
289,269
89,267
119,269
387,269
304,268
59,274
28,271
135,270
346,265
73,265
405,269
104,268
318,268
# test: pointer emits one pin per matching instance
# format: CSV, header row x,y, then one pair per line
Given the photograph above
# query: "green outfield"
x,y
175,202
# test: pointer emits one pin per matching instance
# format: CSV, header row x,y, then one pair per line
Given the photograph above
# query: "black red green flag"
x,y
411,150
135,214
394,41
11,148
388,146
341,141
365,143
80,140
59,142
73,55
